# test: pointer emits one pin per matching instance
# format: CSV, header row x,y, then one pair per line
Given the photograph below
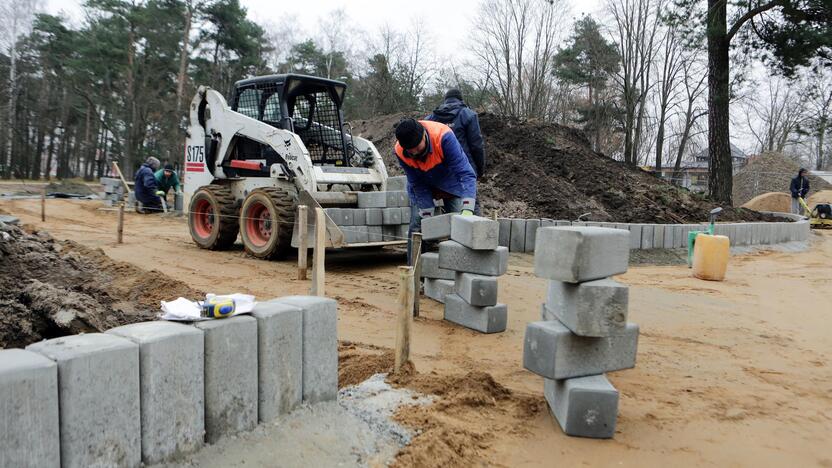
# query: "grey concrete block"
x,y
457,257
667,243
356,234
8,219
477,290
230,376
583,406
576,254
320,346
98,388
397,198
531,234
658,236
391,216
347,218
372,199
505,232
680,235
551,350
430,267
374,234
397,183
437,289
390,232
172,387
475,232
406,214
404,231
279,358
437,227
334,214
374,217
491,319
594,308
548,222
635,235
647,236
29,432
359,217
517,238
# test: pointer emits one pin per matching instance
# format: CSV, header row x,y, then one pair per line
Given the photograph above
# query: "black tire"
x,y
212,218
267,219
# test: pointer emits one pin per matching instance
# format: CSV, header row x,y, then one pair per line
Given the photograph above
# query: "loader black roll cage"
x,y
306,105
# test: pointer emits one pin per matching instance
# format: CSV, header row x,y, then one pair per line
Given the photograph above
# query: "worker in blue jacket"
x,y
454,113
799,189
436,168
147,191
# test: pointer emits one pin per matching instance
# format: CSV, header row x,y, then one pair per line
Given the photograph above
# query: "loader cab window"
x,y
317,121
248,103
271,111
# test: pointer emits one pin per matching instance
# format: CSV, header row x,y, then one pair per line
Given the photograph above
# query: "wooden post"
x,y
416,253
404,317
121,176
120,223
303,219
318,273
43,205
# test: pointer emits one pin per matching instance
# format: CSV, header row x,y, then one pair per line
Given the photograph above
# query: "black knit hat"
x,y
453,93
168,167
409,133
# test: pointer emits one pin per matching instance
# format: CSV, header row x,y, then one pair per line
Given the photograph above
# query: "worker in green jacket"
x,y
167,179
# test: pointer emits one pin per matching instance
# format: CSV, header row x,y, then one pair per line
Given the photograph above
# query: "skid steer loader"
x,y
279,143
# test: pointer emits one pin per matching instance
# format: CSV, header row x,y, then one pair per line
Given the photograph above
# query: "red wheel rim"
x,y
258,224
203,218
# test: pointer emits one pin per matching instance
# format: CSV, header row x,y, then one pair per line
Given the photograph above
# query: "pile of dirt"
x,y
547,170
771,201
770,172
824,196
50,289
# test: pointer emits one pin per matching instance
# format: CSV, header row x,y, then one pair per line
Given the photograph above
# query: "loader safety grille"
x,y
317,121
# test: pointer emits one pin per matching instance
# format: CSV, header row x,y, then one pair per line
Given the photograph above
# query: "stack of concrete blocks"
x,y
463,274
380,216
113,192
154,391
519,234
584,331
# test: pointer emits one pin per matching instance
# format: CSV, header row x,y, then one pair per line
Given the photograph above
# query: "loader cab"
x,y
305,105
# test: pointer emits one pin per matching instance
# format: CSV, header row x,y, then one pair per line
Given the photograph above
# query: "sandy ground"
x,y
735,373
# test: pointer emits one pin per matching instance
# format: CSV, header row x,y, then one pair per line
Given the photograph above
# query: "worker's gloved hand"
x,y
160,193
467,213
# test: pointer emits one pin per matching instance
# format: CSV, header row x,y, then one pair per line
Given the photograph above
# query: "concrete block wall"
x,y
519,234
380,216
113,191
150,392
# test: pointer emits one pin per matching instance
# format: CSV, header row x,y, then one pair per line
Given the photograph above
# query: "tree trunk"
x,y
660,141
183,59
821,136
47,174
720,169
131,98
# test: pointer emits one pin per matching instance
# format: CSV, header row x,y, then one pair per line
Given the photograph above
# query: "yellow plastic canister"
x,y
710,257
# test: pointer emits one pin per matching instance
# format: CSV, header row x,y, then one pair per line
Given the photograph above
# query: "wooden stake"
x,y
121,176
416,252
303,219
404,317
120,223
43,205
318,273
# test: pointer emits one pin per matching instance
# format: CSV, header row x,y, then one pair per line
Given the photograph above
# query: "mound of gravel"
x,y
770,172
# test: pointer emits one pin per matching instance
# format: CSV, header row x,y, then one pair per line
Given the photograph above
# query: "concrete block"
x,y
395,198
391,216
667,242
583,406
29,432
374,234
9,219
172,387
577,254
647,236
347,218
374,217
457,257
98,388
563,222
437,289
334,214
491,319
437,227
406,214
404,231
230,376
390,232
372,199
517,239
475,232
548,222
531,233
635,235
359,217
680,236
505,232
551,350
279,359
594,308
356,234
477,290
320,346
430,267
397,183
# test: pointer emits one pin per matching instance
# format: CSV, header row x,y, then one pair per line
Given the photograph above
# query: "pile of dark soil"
x,y
50,289
547,170
770,172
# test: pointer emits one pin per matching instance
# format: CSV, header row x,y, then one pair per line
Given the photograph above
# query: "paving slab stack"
x,y
380,216
113,191
463,273
152,392
583,332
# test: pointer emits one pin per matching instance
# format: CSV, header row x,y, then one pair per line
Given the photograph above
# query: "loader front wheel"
x,y
212,218
267,221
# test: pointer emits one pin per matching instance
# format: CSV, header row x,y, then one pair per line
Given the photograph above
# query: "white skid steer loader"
x,y
280,143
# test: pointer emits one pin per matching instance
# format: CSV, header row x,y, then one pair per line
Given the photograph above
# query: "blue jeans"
x,y
452,205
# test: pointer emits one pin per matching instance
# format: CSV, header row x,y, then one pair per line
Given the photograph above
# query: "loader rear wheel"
x,y
267,221
212,218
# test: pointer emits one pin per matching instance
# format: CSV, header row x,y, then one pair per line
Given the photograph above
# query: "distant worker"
x,y
454,113
146,188
167,179
799,189
436,169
